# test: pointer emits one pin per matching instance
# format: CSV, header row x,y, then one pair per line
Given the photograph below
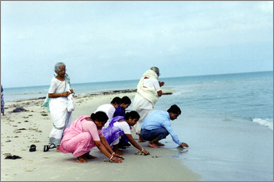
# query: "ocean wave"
x,y
265,122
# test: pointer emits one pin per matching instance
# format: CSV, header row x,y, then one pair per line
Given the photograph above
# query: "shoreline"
x,y
166,91
22,129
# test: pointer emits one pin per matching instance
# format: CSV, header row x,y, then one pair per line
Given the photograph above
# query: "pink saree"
x,y
75,140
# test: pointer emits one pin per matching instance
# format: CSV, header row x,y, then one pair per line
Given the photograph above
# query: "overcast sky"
x,y
120,40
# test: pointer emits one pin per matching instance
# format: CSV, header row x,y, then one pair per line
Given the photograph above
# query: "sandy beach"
x,y
22,129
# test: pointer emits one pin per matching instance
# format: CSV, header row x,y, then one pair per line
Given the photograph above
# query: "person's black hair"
x,y
116,100
132,115
99,116
174,109
125,100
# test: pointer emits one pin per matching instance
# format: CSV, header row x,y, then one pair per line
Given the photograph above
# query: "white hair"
x,y
57,66
156,70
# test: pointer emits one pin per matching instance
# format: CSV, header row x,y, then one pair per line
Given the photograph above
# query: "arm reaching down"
x,y
103,149
135,144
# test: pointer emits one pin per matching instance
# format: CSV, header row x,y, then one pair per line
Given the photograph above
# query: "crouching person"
x,y
156,126
84,134
118,128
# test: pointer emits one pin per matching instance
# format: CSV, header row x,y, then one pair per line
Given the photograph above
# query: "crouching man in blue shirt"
x,y
157,126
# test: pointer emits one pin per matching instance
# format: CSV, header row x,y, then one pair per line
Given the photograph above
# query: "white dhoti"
x,y
144,99
143,107
61,119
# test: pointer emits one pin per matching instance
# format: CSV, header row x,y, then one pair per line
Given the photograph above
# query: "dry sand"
x,y
20,130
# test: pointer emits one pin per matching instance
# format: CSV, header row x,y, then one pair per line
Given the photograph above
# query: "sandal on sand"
x,y
52,146
13,157
32,148
46,148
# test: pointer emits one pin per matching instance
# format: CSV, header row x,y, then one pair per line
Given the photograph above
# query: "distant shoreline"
x,y
111,92
166,91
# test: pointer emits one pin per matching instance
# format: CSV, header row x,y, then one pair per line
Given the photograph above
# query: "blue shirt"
x,y
157,119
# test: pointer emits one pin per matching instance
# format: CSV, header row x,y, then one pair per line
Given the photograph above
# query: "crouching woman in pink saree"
x,y
86,133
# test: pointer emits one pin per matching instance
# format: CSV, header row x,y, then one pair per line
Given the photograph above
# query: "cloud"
x,y
136,34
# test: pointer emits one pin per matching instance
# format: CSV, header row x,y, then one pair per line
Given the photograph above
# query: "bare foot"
x,y
141,139
153,145
119,152
81,160
88,156
159,144
58,148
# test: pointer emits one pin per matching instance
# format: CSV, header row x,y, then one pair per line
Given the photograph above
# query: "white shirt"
x,y
109,109
123,125
152,83
58,86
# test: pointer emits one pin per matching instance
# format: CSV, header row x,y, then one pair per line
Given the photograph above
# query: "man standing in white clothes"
x,y
148,93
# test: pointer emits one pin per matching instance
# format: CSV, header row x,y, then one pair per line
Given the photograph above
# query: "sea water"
x,y
227,120
246,96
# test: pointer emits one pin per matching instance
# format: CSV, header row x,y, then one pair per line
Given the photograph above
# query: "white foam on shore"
x,y
265,122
